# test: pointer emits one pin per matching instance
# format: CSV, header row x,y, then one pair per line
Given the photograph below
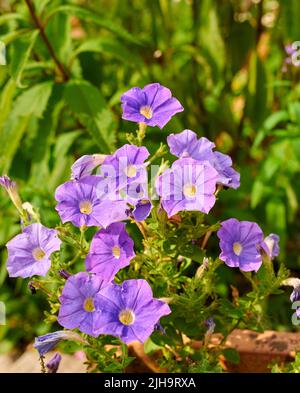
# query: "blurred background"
x,y
227,61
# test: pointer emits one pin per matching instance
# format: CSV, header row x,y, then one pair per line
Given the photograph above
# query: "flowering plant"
x,y
130,262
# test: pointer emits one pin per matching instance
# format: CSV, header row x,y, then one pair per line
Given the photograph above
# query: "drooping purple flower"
x,y
29,252
153,105
54,363
187,185
227,175
12,190
240,243
6,182
79,303
126,166
186,144
142,210
271,245
45,343
111,250
129,311
85,165
87,202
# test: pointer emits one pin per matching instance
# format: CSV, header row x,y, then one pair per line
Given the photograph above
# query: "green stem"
x,y
124,356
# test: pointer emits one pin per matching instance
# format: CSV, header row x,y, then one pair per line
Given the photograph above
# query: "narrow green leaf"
x,y
21,52
110,47
91,16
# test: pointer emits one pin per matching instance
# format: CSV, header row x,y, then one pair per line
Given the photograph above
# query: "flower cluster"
x,y
107,191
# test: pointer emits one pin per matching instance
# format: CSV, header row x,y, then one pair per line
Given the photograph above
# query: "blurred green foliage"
x,y
69,61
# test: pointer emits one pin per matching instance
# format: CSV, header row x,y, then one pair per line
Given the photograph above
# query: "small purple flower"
x,y
126,166
85,165
11,188
240,243
271,245
295,295
153,105
289,49
188,185
186,144
79,302
29,252
54,363
85,202
129,311
142,210
47,342
6,182
111,250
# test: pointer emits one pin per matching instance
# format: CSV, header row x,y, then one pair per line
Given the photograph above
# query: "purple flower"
x,y
86,202
79,302
129,311
271,245
240,244
289,49
6,182
142,210
188,185
47,342
85,165
54,363
186,144
126,166
153,105
227,175
29,252
12,190
295,295
111,250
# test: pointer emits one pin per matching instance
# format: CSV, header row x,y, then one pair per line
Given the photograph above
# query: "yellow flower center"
x,y
116,252
237,248
130,171
38,254
146,111
144,202
88,305
126,317
189,190
85,207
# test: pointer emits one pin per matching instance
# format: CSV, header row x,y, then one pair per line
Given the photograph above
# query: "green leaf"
x,y
21,51
86,101
63,163
257,193
91,16
6,100
34,100
111,47
10,16
59,29
11,136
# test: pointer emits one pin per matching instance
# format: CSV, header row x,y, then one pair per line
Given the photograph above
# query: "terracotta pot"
x,y
256,350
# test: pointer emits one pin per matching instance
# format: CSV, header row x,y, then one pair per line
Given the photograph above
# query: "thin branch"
x,y
44,37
